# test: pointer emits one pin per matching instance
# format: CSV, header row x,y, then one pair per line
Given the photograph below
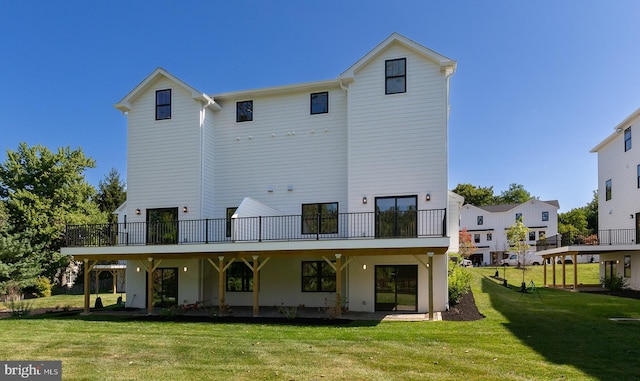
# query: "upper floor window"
x,y
638,173
320,103
542,234
518,217
607,190
489,236
545,216
627,139
476,238
320,218
163,104
244,111
480,220
532,236
395,76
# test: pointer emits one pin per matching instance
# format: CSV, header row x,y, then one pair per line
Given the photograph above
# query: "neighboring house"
x,y
488,224
618,207
315,194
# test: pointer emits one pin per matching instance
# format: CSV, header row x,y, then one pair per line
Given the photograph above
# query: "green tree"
x,y
20,262
517,236
516,194
43,191
591,212
111,194
475,195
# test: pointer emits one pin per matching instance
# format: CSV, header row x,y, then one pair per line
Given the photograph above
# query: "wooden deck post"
x,y
575,272
430,255
87,286
221,272
544,271
150,286
338,285
256,286
97,281
564,273
553,266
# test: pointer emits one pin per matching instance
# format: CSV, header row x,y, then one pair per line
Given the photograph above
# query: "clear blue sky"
x,y
539,83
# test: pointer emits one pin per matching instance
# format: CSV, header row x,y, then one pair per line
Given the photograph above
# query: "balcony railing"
x,y
409,224
604,237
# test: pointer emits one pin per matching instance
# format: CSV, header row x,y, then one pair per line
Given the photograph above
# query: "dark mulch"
x,y
466,310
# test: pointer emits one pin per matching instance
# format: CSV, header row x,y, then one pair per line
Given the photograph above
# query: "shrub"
x,y
614,283
43,286
459,283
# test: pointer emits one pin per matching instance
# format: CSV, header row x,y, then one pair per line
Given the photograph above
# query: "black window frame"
x,y
627,139
532,235
388,65
324,105
627,266
160,107
638,174
244,111
229,213
518,216
608,187
489,237
328,221
476,238
395,223
480,220
545,216
319,275
243,273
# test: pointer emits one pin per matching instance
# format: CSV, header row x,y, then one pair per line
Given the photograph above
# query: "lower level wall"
x,y
620,260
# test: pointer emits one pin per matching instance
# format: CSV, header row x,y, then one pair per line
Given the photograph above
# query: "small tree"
x,y
467,247
517,236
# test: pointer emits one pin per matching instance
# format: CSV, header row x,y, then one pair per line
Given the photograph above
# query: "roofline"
x,y
297,87
445,63
617,130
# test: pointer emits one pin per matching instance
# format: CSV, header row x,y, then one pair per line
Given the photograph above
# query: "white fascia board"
x,y
617,130
307,86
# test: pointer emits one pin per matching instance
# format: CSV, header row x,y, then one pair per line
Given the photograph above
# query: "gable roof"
x,y
444,62
507,207
125,103
616,131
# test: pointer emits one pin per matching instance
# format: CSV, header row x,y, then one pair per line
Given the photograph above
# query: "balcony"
x,y
608,237
339,226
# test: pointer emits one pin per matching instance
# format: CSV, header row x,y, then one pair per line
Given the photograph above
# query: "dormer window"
x,y
163,104
395,76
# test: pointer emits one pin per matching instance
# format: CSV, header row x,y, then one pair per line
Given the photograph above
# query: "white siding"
x,y
283,145
621,168
397,142
163,163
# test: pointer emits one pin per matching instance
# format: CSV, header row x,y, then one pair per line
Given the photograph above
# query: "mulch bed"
x,y
466,310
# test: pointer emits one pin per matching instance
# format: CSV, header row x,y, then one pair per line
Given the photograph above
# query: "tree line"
x,y
41,191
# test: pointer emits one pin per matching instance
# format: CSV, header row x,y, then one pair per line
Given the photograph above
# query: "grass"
x,y
588,274
59,302
551,335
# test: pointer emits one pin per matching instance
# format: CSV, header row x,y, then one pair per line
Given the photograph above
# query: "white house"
x,y
293,195
488,224
618,207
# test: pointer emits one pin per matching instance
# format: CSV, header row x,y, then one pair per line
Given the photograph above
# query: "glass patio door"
x,y
162,226
396,216
165,287
396,288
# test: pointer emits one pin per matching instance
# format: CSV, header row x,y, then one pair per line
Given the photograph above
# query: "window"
x,y
395,76
545,216
163,104
318,276
239,277
320,218
532,236
162,226
396,216
165,287
607,190
244,111
627,266
542,234
489,237
638,173
320,103
627,139
480,220
476,238
518,217
230,213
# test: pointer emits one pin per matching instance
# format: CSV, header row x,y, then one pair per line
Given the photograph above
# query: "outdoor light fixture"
x,y
290,188
138,211
364,200
364,267
185,209
137,269
185,269
631,216
428,197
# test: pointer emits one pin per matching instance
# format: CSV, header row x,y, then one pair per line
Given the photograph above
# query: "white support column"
x,y
430,265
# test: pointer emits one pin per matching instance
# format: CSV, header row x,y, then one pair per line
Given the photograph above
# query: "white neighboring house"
x,y
290,195
488,224
618,207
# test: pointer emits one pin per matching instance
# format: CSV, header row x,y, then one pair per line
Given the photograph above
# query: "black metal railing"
x,y
395,224
604,237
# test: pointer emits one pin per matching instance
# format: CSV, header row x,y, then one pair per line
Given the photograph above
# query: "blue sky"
x,y
538,83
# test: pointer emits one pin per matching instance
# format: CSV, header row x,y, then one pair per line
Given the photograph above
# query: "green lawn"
x,y
588,273
549,335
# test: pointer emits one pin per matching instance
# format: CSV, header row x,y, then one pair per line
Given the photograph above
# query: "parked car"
x,y
466,263
514,260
